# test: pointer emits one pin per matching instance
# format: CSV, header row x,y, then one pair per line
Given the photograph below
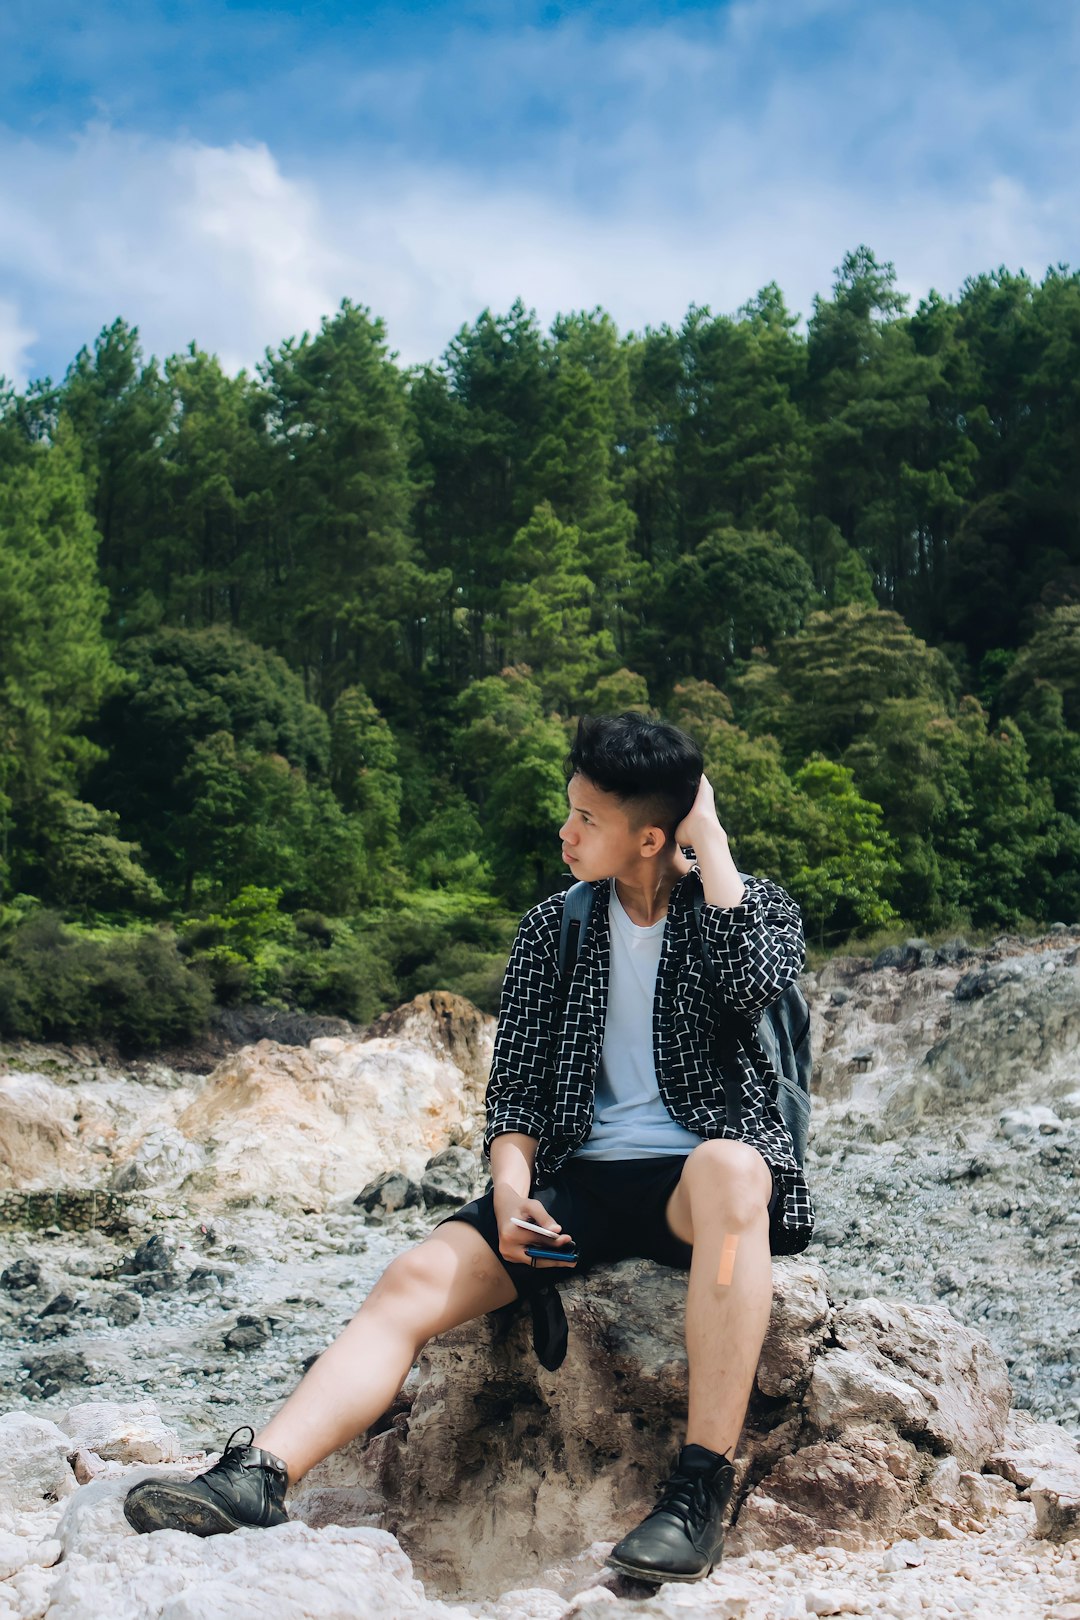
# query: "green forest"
x,y
290,661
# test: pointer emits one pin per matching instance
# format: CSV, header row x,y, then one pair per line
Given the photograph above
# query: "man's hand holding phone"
x,y
529,1235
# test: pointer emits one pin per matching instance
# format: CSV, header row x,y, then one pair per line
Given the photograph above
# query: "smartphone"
x,y
536,1253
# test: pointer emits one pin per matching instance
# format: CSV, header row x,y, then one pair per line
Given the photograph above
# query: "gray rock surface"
x,y
943,1162
945,1145
499,1467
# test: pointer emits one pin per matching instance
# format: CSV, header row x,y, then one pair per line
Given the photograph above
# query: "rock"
x,y
156,1282
847,1388
797,1326
892,956
51,1370
824,1601
57,1366
390,1192
128,1433
1028,1448
294,1571
161,1159
959,1389
983,981
243,1026
206,1279
1044,1462
34,1466
854,1410
449,1177
1026,1124
157,1253
59,1305
952,950
903,1555
1056,1498
249,1332
123,1308
848,1492
16,1552
447,1024
300,1127
21,1277
39,1139
48,1327
461,1159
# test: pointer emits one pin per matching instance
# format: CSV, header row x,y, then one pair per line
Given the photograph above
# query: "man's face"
x,y
597,839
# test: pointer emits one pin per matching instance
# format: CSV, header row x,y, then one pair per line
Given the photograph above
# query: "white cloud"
x,y
16,341
233,247
188,242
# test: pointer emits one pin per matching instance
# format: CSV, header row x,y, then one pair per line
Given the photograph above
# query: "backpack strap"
x,y
577,909
730,1022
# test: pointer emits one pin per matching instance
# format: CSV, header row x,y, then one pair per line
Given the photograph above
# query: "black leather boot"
x,y
246,1486
682,1538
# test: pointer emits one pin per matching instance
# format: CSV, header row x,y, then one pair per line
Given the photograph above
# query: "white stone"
x,y
903,1555
131,1432
1024,1124
34,1467
292,1572
162,1158
833,1602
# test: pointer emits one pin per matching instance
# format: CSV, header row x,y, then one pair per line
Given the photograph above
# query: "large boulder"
x,y
1044,1462
291,1571
129,1432
494,1469
448,1025
1004,1022
303,1128
39,1143
298,1126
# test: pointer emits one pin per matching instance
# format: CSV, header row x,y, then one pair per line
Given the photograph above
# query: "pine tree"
x,y
55,667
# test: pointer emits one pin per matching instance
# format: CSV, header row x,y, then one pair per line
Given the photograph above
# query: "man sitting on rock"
x,y
606,1126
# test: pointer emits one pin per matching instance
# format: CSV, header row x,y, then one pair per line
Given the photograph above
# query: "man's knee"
x,y
453,1260
731,1178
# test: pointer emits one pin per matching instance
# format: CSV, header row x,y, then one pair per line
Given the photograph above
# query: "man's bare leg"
x,y
721,1206
449,1278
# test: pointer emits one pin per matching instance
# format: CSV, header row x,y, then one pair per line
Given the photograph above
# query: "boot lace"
x,y
232,1456
685,1497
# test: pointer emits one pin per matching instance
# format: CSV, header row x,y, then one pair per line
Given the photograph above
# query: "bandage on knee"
x,y
727,1260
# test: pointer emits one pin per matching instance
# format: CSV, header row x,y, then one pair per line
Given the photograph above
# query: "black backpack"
x,y
783,1030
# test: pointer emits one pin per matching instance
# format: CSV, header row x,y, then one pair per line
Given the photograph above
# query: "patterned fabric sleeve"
x,y
518,1085
757,946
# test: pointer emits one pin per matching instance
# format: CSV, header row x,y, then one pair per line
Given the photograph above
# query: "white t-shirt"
x,y
630,1120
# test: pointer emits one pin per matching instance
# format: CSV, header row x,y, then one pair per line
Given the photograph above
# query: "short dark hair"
x,y
650,766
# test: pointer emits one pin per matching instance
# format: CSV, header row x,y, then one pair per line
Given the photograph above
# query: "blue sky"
x,y
228,172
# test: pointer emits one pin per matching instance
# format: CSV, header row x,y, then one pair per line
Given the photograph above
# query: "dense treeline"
x,y
288,662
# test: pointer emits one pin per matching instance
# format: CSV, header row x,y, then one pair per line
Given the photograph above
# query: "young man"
x,y
605,1126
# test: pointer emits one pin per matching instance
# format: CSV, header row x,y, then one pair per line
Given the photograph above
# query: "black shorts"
x,y
612,1208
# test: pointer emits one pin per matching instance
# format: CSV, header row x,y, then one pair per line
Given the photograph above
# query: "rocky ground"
x,y
945,1156
985,1224
943,1161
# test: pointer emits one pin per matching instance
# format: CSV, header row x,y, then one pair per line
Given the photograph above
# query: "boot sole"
x,y
161,1507
654,1577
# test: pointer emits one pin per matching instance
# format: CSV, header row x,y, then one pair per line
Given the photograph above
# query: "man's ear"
x,y
653,840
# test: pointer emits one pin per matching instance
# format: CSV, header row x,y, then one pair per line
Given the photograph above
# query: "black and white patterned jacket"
x,y
549,1039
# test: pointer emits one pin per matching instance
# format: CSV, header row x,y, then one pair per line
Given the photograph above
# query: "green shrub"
x,y
132,989
346,978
